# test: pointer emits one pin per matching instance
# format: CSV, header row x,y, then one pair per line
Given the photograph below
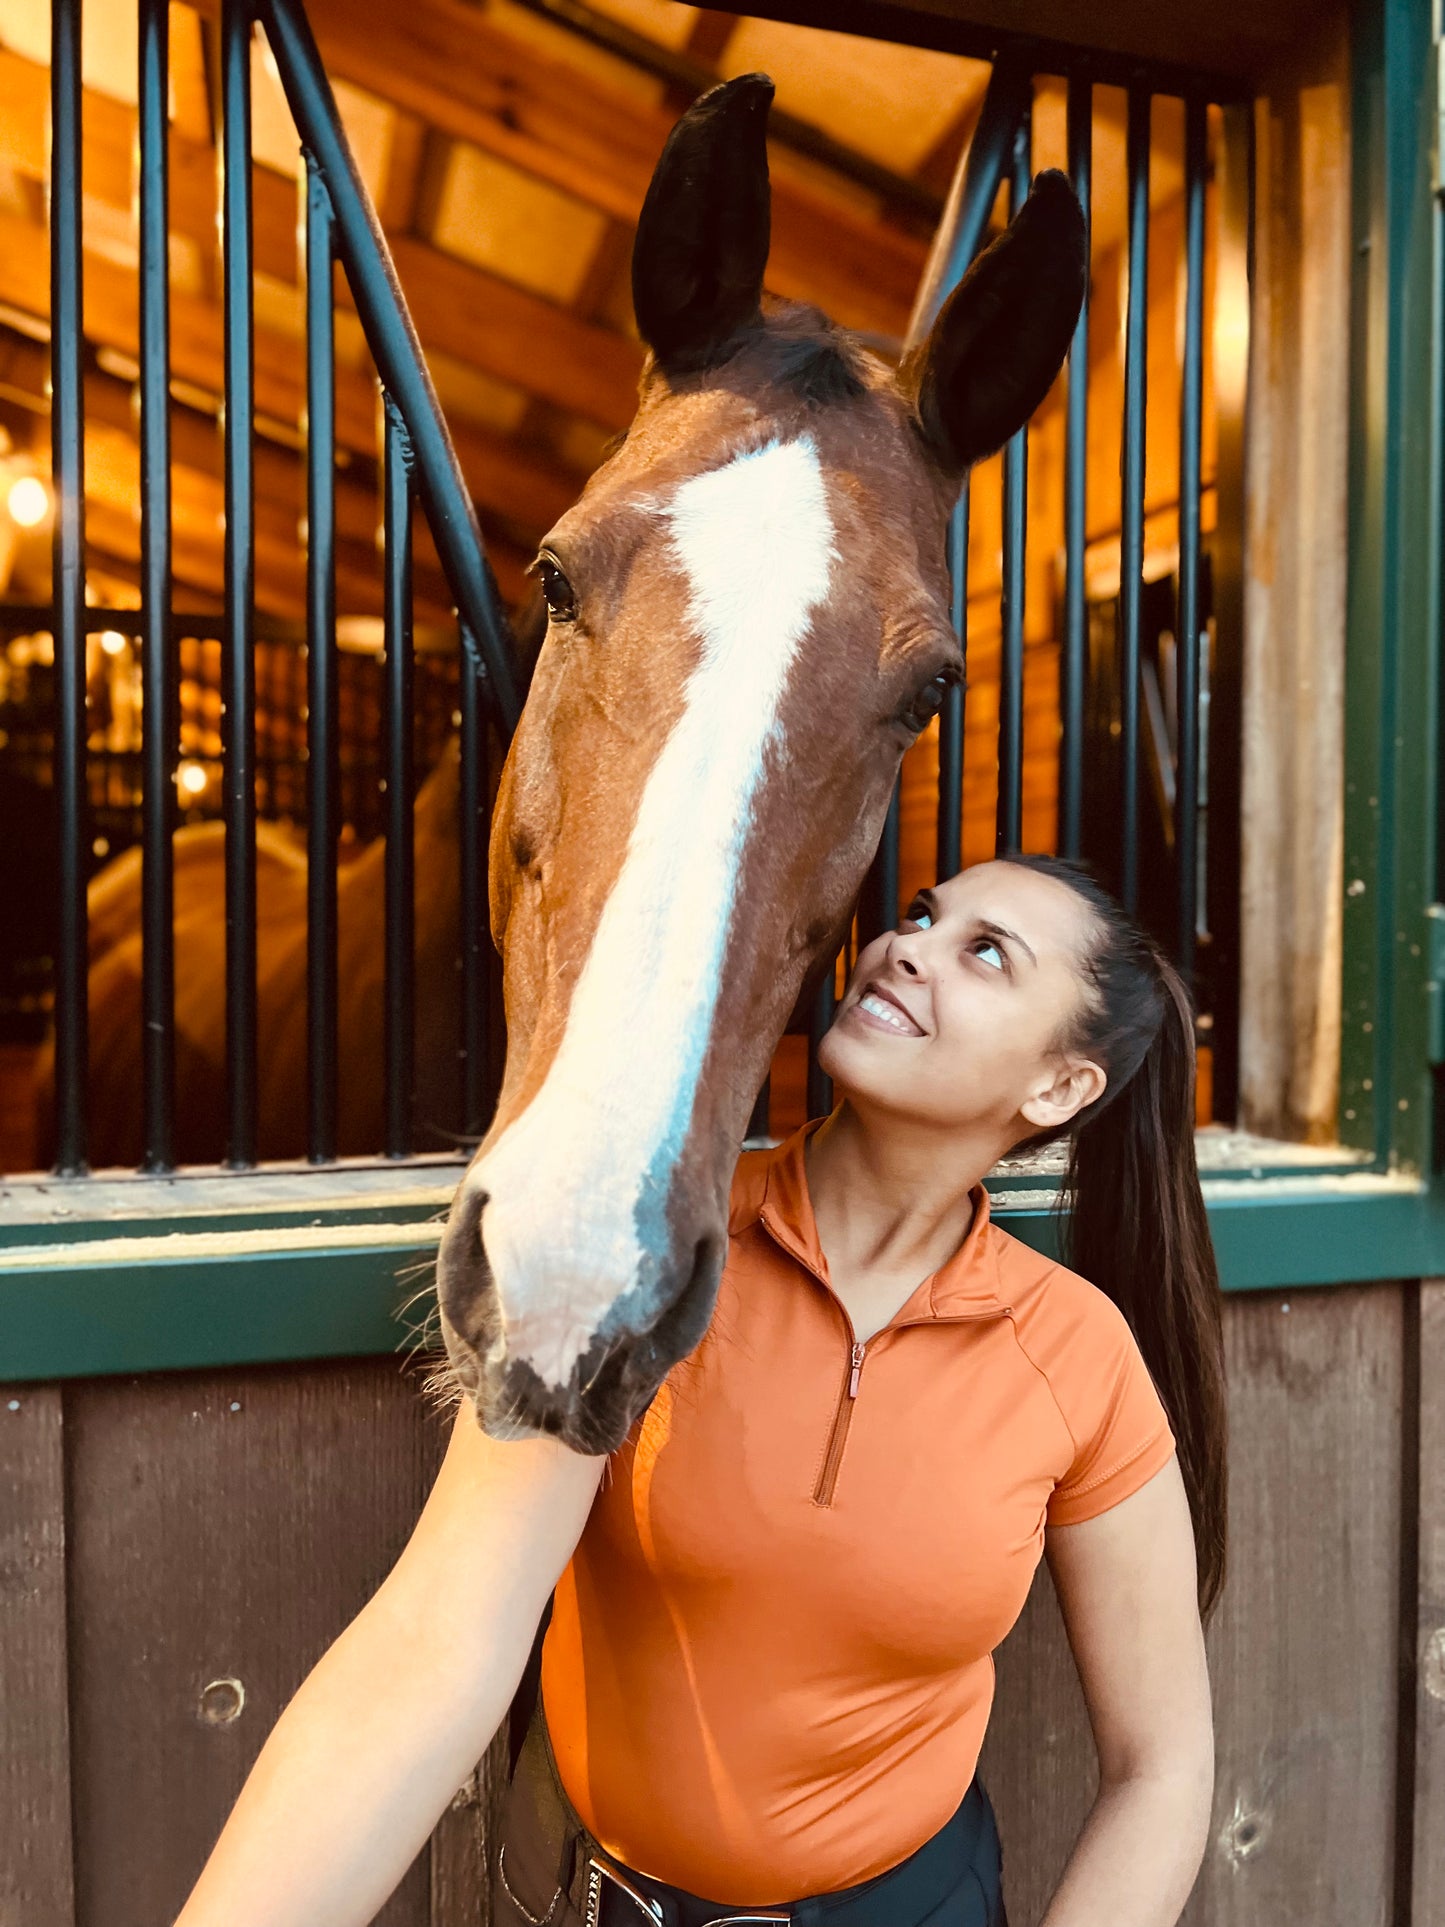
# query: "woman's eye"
x,y
925,705
557,591
986,944
920,918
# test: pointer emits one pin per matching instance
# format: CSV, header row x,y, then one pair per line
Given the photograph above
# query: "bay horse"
x,y
748,625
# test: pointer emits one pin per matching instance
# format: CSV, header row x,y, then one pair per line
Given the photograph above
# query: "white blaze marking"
x,y
568,1181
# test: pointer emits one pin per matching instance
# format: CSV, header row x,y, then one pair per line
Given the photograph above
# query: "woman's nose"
x,y
900,952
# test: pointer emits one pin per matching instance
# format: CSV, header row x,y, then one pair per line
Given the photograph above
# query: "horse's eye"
x,y
925,705
557,591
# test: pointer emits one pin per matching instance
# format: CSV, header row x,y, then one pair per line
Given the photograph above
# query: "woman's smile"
x,y
879,1009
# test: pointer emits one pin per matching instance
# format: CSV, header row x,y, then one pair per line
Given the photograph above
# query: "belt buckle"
x,y
746,1920
599,1869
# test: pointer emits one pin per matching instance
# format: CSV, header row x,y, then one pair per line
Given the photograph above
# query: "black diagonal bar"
x,y
400,865
1188,626
396,350
964,222
322,748
1010,821
67,467
478,973
159,723
1074,655
1131,540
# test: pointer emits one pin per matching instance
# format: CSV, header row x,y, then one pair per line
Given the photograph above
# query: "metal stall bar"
x,y
1010,818
322,670
948,858
1131,538
1187,627
820,1085
479,958
1222,738
878,899
158,662
238,649
960,233
67,444
400,862
395,348
1073,665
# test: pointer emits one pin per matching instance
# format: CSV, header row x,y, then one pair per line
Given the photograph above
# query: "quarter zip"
x,y
848,1394
842,1419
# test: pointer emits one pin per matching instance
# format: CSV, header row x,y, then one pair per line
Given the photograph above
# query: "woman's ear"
x,y
1001,336
1076,1082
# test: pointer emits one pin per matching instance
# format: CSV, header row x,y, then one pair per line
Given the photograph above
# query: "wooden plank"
x,y
464,1845
227,1526
1292,882
1230,37
1427,1872
1038,1758
36,1882
1302,1650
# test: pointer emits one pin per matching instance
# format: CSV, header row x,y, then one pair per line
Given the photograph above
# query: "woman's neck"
x,y
891,1195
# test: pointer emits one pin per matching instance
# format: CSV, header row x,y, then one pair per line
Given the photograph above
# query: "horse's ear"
x,y
1002,335
702,236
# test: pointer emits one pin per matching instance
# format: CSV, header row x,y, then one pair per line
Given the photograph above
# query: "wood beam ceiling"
x,y
600,146
528,492
458,309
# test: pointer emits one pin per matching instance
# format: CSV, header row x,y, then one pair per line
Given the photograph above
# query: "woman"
x,y
768,1669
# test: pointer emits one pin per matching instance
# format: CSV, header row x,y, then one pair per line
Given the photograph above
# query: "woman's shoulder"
x,y
1050,1303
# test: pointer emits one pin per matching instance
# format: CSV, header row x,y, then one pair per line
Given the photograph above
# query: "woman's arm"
x,y
395,1715
1126,1585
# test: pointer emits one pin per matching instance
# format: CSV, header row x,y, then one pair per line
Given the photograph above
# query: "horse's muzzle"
x,y
618,1369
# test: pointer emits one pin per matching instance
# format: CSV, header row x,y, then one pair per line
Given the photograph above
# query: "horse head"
x,y
748,625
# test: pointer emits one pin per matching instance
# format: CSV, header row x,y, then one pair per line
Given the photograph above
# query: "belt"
x,y
605,1878
551,1872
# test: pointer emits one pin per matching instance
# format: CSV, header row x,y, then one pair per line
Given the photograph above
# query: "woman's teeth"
x,y
888,1013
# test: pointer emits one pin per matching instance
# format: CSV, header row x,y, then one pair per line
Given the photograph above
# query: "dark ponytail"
x,y
1135,1222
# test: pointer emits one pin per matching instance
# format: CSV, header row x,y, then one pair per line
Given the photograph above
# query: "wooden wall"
x,y
177,1551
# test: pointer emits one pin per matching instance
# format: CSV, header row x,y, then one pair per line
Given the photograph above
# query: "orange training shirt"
x,y
769,1666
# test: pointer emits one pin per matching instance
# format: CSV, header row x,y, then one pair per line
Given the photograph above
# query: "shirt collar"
x,y
965,1284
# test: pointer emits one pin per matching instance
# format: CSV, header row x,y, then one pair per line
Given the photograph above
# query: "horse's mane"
x,y
809,356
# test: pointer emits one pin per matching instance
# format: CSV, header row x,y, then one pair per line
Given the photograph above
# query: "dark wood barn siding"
x,y
164,1534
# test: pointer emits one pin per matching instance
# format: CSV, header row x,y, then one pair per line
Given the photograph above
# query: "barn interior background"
x,y
1246,450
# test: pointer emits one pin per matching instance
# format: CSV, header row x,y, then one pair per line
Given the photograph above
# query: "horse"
x,y
748,624
114,1074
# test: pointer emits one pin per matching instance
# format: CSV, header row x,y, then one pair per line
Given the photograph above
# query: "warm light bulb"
x,y
192,778
28,501
112,642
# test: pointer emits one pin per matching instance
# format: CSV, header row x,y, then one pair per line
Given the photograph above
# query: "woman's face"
x,y
953,1017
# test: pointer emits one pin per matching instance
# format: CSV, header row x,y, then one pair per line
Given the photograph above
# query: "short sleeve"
x,y
1121,1431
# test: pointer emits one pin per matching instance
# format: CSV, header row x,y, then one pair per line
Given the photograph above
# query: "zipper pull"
x,y
857,1368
